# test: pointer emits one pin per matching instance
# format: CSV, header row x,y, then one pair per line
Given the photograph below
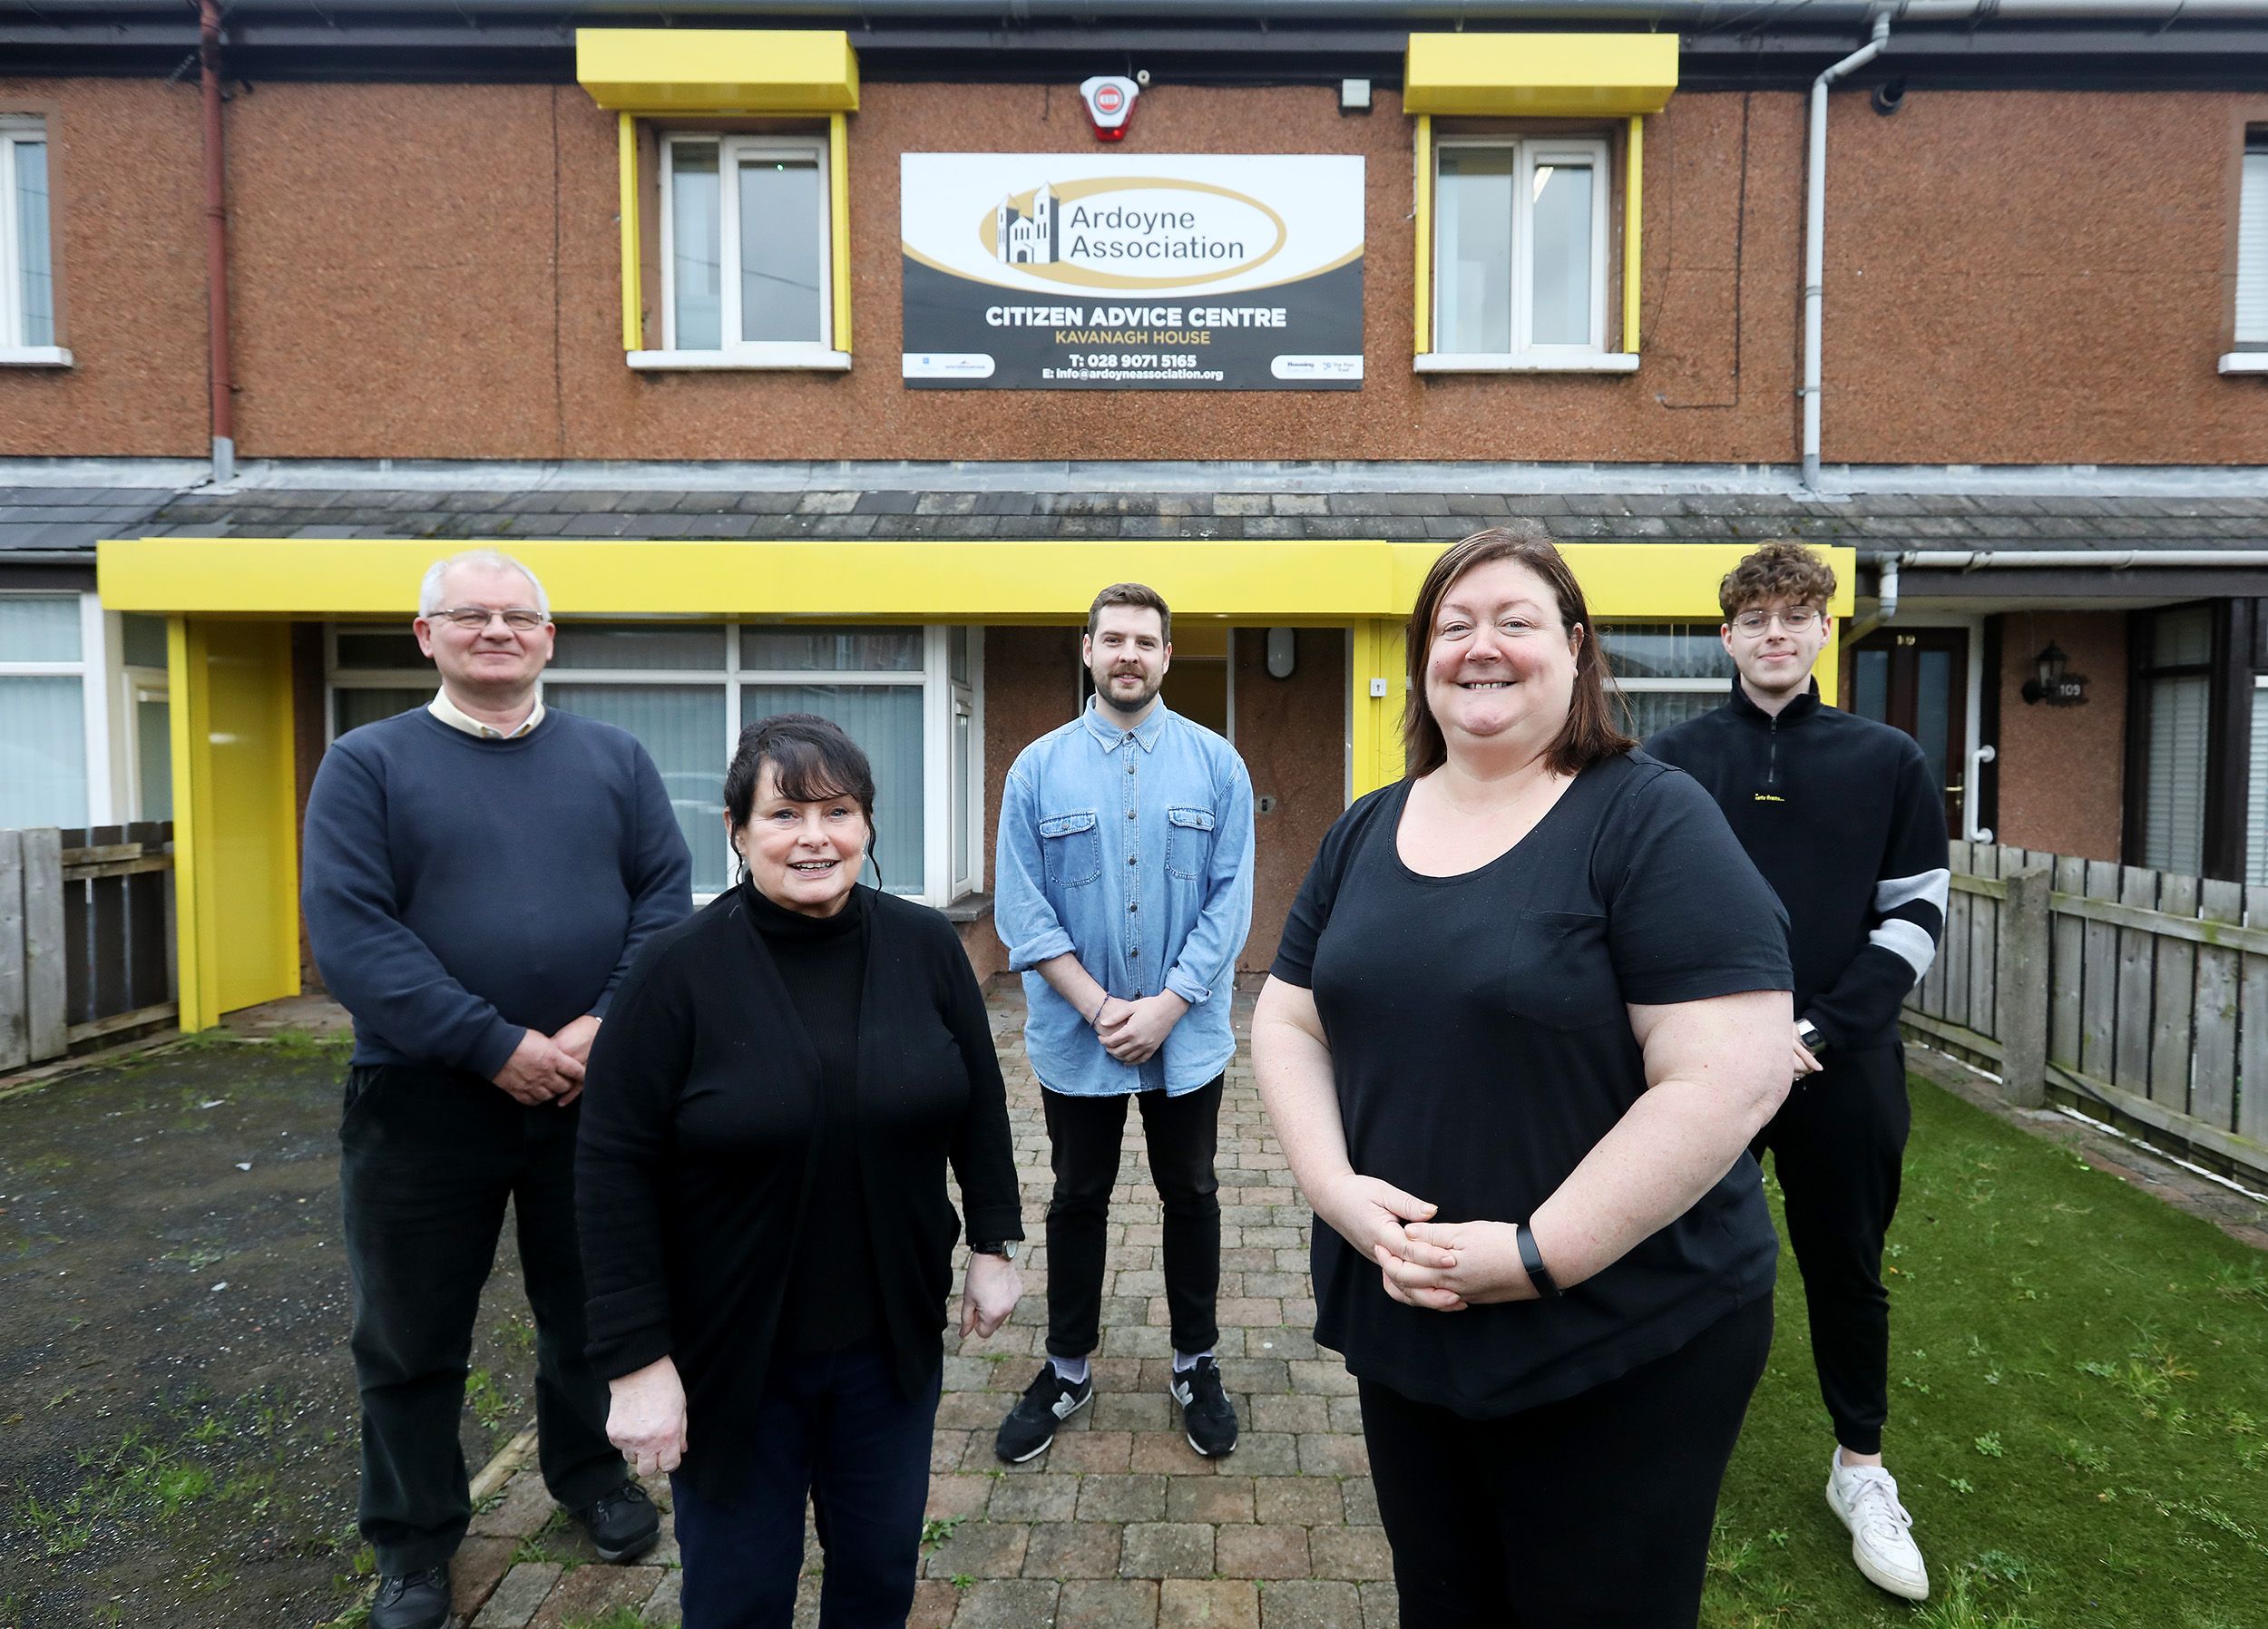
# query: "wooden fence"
x,y
86,937
2138,992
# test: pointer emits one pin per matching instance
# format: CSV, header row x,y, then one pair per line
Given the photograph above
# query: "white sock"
x,y
1073,1369
1183,1362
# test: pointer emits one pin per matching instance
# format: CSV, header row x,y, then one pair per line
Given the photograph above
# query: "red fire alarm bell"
x,y
1110,104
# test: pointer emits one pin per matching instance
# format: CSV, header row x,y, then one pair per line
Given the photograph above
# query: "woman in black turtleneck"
x,y
773,1101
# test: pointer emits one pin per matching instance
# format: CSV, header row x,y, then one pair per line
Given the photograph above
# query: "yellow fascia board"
x,y
977,581
718,70
1539,76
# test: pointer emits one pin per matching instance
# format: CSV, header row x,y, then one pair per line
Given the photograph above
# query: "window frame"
x,y
1530,153
16,132
961,873
732,148
91,667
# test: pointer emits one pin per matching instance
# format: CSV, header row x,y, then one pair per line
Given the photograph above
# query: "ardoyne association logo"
x,y
1132,233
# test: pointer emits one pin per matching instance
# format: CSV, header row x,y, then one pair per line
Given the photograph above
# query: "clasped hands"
x,y
548,1068
1132,1031
1442,1266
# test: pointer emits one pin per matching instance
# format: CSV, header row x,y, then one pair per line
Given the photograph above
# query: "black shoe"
x,y
413,1600
1207,1417
622,1524
1047,1401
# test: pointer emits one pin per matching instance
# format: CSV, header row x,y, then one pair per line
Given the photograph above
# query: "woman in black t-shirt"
x,y
781,1085
1530,1007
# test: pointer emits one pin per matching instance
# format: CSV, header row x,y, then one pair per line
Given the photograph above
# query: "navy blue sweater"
x,y
1844,819
460,891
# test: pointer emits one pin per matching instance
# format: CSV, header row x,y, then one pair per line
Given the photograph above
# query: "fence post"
x,y
46,968
2023,987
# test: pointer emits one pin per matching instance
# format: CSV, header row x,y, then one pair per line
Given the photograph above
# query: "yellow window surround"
x,y
1537,75
723,72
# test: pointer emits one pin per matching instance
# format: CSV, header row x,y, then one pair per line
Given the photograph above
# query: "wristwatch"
x,y
1808,1033
1003,1248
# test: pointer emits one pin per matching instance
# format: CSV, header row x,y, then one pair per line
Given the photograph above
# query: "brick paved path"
x,y
1119,1525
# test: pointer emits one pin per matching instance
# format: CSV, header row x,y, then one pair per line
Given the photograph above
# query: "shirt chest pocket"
x,y
1560,974
1071,848
1188,842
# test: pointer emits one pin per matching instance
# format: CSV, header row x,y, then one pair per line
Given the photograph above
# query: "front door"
x,y
1916,679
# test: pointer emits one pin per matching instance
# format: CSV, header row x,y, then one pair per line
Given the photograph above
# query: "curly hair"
x,y
1782,570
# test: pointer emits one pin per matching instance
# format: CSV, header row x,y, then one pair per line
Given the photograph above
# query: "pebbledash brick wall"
x,y
432,271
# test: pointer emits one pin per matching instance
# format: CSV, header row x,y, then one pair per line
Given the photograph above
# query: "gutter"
x,y
1700,17
1815,232
2108,560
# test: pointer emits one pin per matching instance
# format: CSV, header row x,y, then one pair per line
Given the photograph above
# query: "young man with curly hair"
x,y
1843,817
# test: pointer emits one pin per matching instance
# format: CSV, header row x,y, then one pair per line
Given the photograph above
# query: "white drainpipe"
x,y
1816,233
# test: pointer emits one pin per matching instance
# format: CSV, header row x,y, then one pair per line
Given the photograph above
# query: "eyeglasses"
x,y
1796,619
474,619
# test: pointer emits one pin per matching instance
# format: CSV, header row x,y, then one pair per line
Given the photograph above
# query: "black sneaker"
x,y
1047,1402
413,1600
1207,1417
622,1524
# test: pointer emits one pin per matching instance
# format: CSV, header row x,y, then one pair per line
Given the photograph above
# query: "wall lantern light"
x,y
2051,684
1282,652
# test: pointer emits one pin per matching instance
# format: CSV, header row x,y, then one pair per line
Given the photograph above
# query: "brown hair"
x,y
1782,570
1131,594
1589,733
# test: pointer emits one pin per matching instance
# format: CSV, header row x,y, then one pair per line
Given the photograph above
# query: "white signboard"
x,y
1132,271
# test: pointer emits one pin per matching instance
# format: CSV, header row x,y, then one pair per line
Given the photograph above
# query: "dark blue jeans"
x,y
832,1427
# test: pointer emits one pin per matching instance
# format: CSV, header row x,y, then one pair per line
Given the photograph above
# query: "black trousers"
x,y
1084,1133
832,1427
428,1156
1839,1144
1589,1513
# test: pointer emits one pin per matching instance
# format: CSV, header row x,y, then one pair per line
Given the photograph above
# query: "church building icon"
x,y
1026,239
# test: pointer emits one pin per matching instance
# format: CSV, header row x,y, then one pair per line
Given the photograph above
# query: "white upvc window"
x,y
747,253
1519,253
54,712
27,281
911,696
1668,672
2252,260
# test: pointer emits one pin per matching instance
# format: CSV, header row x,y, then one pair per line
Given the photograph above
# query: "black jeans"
x,y
832,1427
1589,1513
428,1156
1838,1145
1084,1133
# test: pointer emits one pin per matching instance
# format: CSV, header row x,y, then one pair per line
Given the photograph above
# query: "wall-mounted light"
x,y
1283,653
1354,96
2051,684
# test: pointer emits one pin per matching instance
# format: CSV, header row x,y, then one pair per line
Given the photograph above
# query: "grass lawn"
x,y
2078,1410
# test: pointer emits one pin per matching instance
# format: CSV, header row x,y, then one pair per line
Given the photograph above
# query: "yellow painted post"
x,y
1374,750
839,218
1423,329
633,297
1633,196
194,954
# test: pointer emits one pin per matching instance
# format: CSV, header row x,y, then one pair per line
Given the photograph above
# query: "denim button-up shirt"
x,y
1132,849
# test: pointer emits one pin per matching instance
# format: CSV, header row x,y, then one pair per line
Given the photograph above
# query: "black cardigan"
x,y
694,1173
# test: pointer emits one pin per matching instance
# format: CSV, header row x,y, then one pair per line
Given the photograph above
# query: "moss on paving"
x,y
2078,1410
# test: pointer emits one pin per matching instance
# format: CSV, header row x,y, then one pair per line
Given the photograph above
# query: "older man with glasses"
x,y
478,874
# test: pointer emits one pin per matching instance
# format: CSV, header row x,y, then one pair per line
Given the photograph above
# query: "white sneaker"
x,y
1882,1542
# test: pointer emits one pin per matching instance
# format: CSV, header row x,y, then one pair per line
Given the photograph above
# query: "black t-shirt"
x,y
1481,1049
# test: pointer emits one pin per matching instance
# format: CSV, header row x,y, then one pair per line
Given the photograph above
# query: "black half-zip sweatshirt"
x,y
1841,815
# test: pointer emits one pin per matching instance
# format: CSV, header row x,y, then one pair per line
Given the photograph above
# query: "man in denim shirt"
x,y
1123,892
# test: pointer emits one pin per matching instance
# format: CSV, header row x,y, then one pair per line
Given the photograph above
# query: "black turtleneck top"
x,y
822,961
